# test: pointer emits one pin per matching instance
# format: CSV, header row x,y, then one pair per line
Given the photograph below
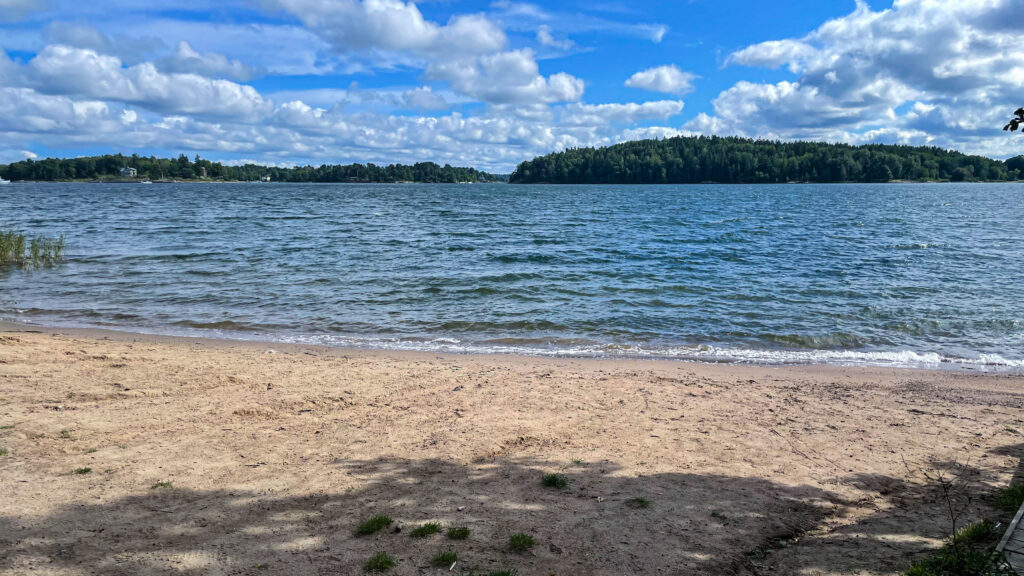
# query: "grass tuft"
x,y
32,253
1010,498
554,481
638,503
373,525
444,559
425,530
969,552
65,434
381,562
82,471
458,533
520,542
3,452
159,485
973,534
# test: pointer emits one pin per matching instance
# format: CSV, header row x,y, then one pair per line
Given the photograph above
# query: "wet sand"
x,y
275,453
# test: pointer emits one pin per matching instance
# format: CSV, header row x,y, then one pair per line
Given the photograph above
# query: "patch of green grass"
x,y
82,471
373,525
381,562
425,530
969,552
7,427
458,533
520,542
4,452
638,503
31,253
970,562
444,559
159,485
1010,498
577,461
554,481
973,534
92,450
65,434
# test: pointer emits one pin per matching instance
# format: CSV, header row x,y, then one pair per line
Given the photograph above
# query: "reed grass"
x,y
36,252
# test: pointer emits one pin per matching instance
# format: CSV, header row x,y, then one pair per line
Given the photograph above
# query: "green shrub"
x,y
425,530
381,562
4,452
373,525
554,481
159,485
82,471
520,542
458,533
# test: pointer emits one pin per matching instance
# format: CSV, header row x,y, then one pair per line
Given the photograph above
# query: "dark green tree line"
x,y
687,160
182,168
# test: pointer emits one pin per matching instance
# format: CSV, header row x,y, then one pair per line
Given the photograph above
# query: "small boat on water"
x,y
2,181
145,182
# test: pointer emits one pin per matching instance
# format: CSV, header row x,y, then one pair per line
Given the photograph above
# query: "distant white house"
x,y
265,178
127,172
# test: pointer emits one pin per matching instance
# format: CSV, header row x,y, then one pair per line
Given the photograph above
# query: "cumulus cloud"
x,y
393,25
596,114
507,78
936,72
669,79
185,60
424,99
67,70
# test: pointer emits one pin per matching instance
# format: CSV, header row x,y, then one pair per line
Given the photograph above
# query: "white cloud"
x,y
74,71
185,60
598,114
546,38
941,72
507,78
669,79
424,99
393,25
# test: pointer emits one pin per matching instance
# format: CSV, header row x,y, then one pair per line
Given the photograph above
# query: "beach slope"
x,y
131,454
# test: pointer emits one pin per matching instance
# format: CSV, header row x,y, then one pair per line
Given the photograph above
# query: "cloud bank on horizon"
x,y
489,84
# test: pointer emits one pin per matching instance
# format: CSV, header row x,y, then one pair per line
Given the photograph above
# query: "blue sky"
x,y
492,83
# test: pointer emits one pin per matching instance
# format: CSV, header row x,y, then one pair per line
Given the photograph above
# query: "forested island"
x,y
690,160
134,167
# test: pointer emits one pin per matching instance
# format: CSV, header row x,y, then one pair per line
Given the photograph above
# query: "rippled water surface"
x,y
915,274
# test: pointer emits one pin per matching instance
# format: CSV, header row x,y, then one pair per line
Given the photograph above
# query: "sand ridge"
x,y
275,453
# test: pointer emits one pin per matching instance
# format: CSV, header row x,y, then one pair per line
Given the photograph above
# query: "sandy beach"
x,y
271,455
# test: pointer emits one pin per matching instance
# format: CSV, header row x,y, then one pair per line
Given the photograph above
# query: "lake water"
x,y
902,274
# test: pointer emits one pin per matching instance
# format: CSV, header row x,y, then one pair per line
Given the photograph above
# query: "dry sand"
x,y
276,453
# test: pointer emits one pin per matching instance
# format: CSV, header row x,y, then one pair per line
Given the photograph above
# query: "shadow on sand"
x,y
695,524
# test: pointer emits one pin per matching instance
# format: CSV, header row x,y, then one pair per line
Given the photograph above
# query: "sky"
x,y
492,83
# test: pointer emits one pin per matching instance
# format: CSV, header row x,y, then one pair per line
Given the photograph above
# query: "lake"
x,y
895,274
